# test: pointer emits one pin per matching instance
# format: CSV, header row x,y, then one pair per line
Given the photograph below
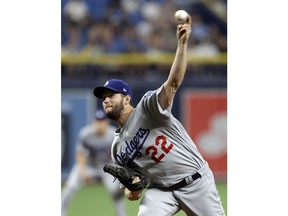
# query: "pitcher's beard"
x,y
115,113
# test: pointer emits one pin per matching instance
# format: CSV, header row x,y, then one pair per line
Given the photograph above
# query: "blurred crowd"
x,y
125,26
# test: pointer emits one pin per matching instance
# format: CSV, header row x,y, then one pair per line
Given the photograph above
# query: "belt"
x,y
185,181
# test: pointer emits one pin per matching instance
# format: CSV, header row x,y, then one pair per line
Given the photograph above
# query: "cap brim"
x,y
98,91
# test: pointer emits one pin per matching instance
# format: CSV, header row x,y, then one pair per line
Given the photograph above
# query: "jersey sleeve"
x,y
150,105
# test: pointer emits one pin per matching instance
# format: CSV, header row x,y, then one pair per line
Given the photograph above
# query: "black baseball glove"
x,y
126,175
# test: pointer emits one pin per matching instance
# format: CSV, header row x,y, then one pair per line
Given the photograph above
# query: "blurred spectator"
x,y
204,47
76,10
73,40
76,25
199,29
131,41
219,39
131,9
98,38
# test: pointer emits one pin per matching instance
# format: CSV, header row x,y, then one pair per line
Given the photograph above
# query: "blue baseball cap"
x,y
115,85
100,115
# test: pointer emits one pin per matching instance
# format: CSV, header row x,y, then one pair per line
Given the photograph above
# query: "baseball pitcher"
x,y
153,154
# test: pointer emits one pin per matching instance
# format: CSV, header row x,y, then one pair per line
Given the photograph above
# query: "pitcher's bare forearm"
x,y
178,68
179,65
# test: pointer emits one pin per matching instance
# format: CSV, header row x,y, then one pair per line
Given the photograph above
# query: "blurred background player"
x,y
92,152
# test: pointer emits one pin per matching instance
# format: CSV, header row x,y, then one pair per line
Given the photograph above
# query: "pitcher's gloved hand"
x,y
126,175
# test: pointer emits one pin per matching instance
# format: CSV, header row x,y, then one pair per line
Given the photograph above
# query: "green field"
x,y
94,200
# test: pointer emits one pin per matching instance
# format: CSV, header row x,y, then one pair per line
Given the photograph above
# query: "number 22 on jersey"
x,y
160,149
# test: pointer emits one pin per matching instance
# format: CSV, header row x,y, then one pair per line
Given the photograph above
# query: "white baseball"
x,y
181,15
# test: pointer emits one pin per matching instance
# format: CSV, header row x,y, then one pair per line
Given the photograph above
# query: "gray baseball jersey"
x,y
157,142
96,148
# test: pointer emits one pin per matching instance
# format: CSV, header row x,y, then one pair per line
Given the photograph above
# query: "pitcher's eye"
x,y
111,95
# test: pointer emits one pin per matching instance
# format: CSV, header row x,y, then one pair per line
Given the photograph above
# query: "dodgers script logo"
x,y
132,147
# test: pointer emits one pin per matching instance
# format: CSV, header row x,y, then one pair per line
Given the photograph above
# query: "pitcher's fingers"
x,y
189,19
136,179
